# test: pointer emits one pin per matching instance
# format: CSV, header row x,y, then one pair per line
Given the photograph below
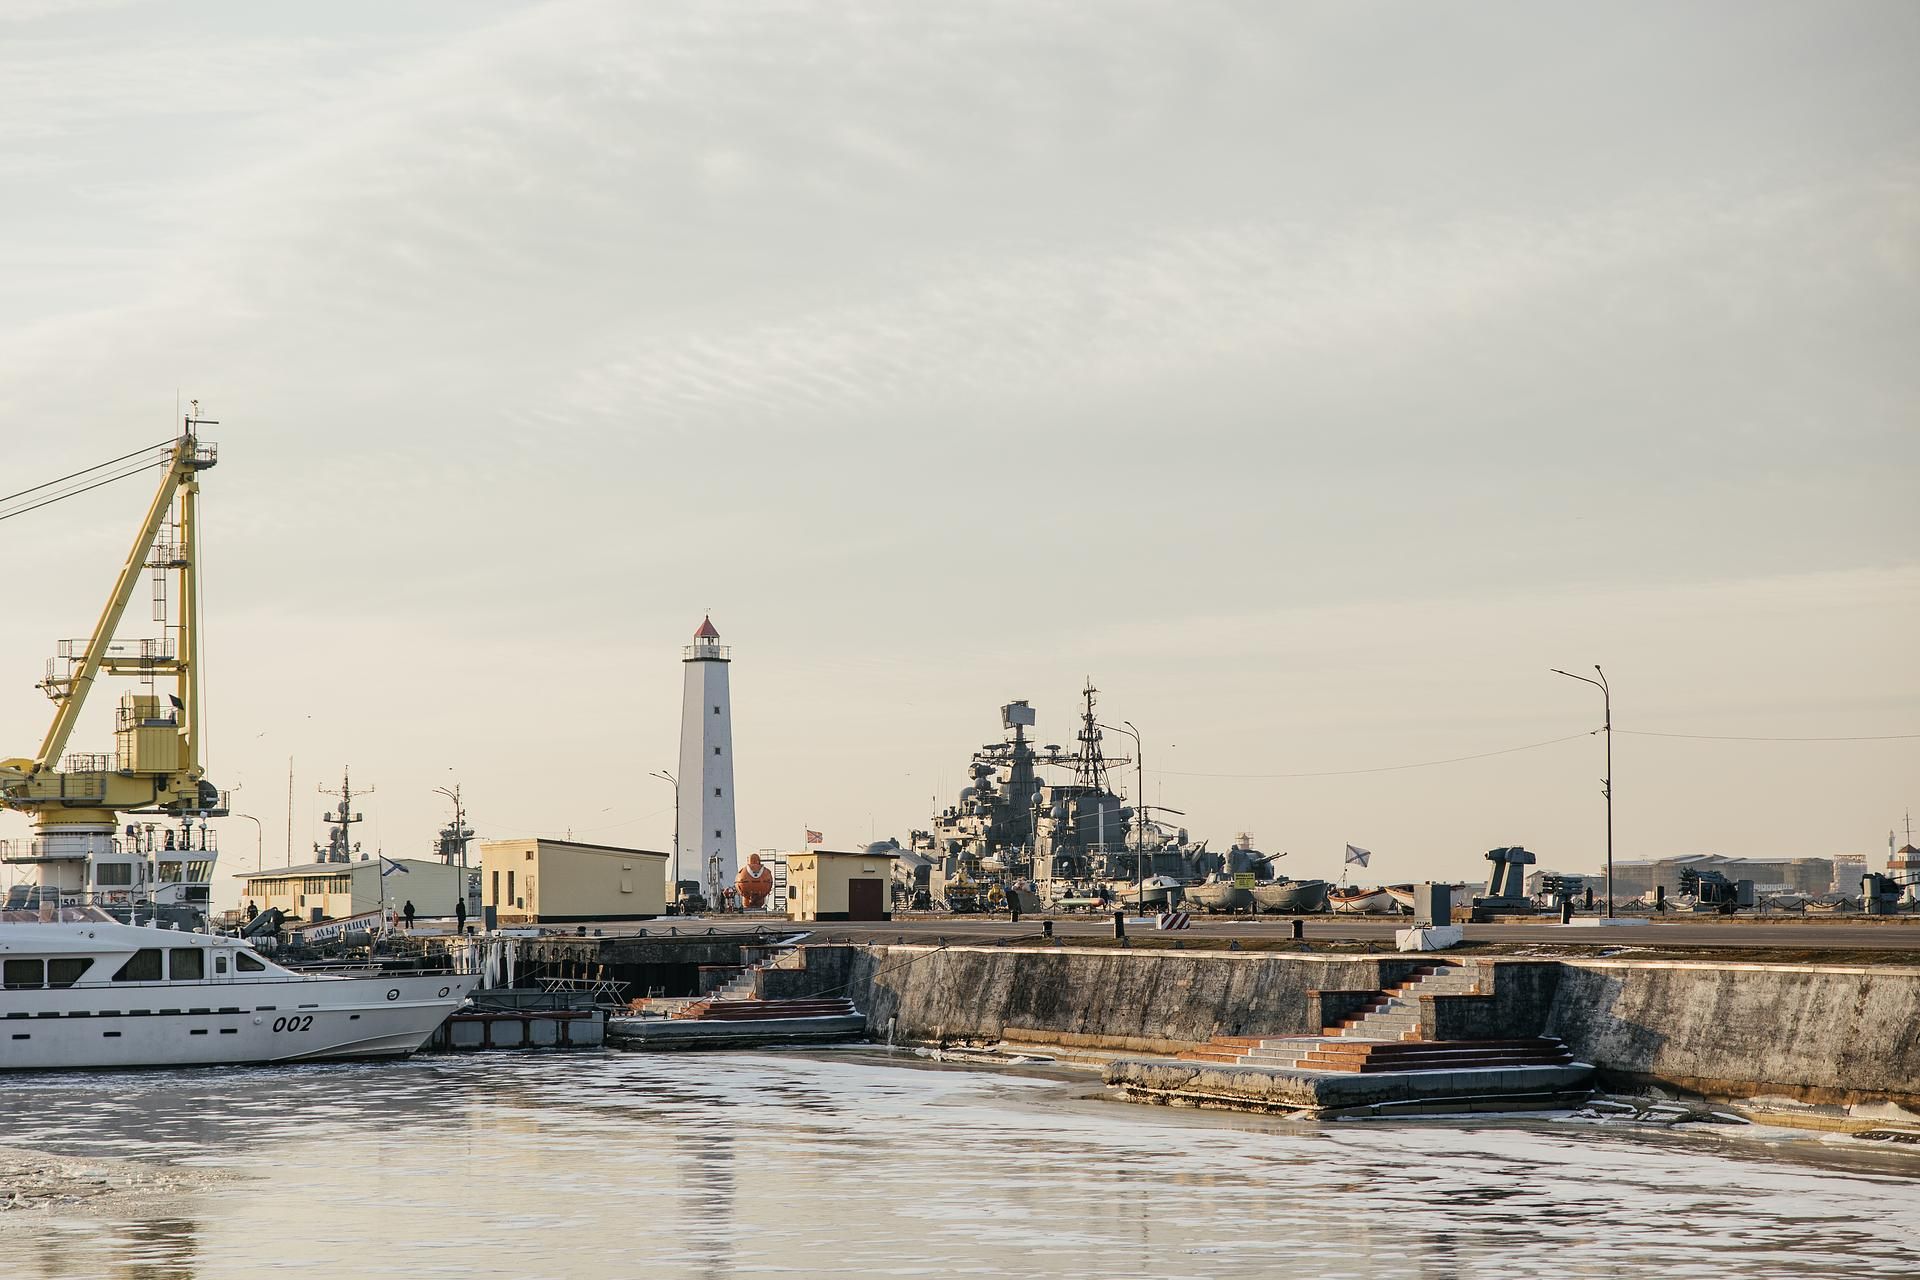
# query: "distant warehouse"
x,y
540,881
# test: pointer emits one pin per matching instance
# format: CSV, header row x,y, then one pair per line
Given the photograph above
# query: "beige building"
x,y
553,881
335,890
829,884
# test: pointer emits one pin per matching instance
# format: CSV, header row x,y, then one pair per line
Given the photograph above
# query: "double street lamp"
x,y
1606,783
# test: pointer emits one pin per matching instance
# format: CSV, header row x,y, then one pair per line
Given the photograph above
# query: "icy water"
x,y
615,1165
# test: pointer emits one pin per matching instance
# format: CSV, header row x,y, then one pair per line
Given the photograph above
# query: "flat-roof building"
x,y
334,890
836,884
541,881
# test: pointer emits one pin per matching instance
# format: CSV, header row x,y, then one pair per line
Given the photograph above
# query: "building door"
x,y
866,900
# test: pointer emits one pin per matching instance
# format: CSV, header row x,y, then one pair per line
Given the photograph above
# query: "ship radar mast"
x,y
340,846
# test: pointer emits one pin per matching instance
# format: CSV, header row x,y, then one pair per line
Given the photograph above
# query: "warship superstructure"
x,y
1074,839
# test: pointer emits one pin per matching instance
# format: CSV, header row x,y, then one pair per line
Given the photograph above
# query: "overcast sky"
x,y
1313,377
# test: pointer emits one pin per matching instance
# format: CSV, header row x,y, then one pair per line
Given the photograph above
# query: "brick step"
x,y
1524,1043
755,1010
1439,1062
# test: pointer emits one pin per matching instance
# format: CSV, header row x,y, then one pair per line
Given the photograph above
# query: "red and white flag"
x,y
813,837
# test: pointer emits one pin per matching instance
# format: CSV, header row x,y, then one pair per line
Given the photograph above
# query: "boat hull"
x,y
1363,902
299,1020
1217,897
1292,898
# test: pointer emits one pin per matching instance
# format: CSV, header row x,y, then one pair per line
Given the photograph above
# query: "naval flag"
x,y
1356,854
388,866
814,837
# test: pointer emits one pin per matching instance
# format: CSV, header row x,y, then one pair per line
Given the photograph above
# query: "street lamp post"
x,y
1606,783
460,837
673,890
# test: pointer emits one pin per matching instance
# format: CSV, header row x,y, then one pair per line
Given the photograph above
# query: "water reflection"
x,y
798,1165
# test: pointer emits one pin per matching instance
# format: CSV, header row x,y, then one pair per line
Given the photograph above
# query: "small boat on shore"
x,y
1402,895
1353,900
1155,891
1291,897
1217,895
84,990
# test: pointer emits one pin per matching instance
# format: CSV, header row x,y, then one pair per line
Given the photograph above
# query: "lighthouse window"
x,y
716,791
142,966
716,833
716,751
24,973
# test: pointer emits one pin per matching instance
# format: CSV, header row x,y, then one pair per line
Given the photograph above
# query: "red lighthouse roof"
x,y
706,631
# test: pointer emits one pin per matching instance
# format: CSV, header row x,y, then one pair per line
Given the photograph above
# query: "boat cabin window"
x,y
113,873
23,973
219,964
142,966
248,962
66,972
189,964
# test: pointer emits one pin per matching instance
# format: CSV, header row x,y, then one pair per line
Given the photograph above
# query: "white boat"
x,y
1353,900
87,991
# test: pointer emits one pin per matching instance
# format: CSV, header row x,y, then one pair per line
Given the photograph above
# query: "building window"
x,y
496,886
716,711
716,833
510,897
716,751
716,792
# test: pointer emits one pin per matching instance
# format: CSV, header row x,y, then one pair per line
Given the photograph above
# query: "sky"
x,y
1313,378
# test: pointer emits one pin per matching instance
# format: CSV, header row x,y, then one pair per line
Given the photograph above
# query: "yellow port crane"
x,y
77,802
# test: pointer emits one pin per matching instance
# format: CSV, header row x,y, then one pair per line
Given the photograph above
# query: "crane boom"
x,y
70,692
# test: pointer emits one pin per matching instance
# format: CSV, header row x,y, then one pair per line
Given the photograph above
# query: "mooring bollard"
x,y
1566,911
1298,931
1046,928
1120,925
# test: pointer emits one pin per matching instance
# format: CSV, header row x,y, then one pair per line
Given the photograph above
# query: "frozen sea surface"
x,y
798,1165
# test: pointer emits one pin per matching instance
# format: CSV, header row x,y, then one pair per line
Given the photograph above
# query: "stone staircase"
x,y
1383,1035
739,988
1394,1014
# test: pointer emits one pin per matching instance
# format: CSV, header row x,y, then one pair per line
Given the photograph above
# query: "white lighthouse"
x,y
706,768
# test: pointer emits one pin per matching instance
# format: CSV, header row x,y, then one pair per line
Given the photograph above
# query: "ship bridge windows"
x,y
247,962
67,970
142,966
189,964
113,873
61,971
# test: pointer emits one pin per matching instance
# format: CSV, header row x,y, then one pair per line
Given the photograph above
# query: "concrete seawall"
x,y
1822,1034
1818,1034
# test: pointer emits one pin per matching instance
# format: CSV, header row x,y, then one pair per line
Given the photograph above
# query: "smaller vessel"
x,y
1154,891
1353,900
1291,897
1402,895
1217,895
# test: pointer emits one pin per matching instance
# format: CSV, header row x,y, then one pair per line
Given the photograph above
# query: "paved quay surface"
x,y
1860,934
